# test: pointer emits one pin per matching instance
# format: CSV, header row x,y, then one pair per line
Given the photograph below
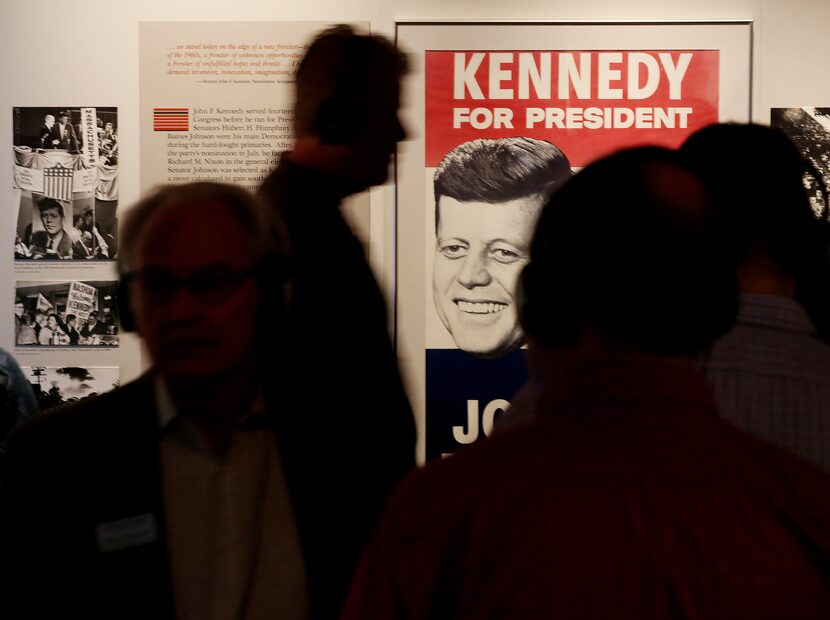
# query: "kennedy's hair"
x,y
44,204
495,171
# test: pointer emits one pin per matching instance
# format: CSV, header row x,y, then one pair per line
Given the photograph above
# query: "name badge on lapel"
x,y
126,533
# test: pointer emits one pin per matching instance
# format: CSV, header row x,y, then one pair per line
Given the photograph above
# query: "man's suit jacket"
x,y
69,141
96,462
67,474
343,394
99,329
44,141
65,249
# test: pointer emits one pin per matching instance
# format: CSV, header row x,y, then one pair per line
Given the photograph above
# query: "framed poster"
x,y
500,113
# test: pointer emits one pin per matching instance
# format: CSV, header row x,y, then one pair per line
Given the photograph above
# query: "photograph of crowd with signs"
x,y
55,386
809,129
66,314
66,177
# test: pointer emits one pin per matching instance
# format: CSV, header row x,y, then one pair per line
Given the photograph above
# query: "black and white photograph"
x,y
51,229
66,174
66,314
488,195
57,385
809,129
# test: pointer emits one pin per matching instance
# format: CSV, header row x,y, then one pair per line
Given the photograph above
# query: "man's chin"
x,y
191,374
191,366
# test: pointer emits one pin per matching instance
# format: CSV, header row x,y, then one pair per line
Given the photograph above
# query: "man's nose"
x,y
474,272
182,303
400,131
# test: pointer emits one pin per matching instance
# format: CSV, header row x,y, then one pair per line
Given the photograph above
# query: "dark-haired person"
x,y
54,241
62,134
51,334
627,497
93,327
72,331
346,130
771,372
488,196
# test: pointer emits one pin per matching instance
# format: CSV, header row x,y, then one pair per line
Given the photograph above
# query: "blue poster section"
x,y
464,396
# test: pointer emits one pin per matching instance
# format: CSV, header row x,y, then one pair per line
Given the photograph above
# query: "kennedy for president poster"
x,y
502,115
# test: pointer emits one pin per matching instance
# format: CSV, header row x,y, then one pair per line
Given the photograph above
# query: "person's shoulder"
x,y
108,414
289,179
762,466
65,244
446,490
275,179
8,364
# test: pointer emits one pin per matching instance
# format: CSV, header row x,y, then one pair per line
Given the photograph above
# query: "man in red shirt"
x,y
626,497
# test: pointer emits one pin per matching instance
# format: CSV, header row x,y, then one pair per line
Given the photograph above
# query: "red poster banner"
x,y
588,103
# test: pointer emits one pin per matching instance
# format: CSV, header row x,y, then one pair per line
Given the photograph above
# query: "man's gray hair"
x,y
267,232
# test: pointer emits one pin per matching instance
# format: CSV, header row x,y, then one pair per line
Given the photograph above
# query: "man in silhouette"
x,y
771,372
343,366
626,497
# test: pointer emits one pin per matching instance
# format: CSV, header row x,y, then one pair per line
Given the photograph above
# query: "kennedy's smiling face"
x,y
479,252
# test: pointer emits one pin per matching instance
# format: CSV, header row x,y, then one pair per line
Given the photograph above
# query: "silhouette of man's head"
x,y
347,95
755,174
763,213
488,196
624,251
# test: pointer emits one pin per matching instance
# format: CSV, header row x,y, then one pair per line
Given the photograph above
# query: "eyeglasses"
x,y
210,286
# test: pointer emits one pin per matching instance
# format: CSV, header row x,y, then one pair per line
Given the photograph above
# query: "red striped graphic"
x,y
171,119
57,182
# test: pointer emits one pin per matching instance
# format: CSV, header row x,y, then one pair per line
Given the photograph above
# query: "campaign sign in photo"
x,y
66,314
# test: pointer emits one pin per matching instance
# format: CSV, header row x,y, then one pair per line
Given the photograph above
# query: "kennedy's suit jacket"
x,y
66,248
75,469
69,140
